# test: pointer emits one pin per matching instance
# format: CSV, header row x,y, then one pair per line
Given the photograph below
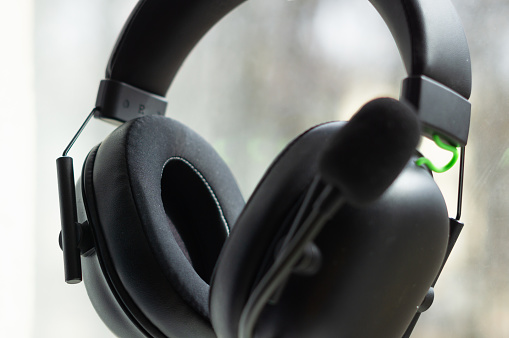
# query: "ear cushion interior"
x,y
164,203
259,226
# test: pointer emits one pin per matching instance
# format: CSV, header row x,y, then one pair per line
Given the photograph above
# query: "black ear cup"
x,y
377,262
261,224
161,203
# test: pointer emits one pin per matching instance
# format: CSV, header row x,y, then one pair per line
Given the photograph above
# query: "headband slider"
x,y
441,110
121,102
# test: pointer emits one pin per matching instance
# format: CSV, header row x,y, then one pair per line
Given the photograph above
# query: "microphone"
x,y
369,152
358,164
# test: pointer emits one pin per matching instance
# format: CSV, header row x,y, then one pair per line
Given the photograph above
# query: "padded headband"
x,y
159,35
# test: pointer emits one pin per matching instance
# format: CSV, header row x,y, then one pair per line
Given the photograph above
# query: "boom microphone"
x,y
359,163
368,153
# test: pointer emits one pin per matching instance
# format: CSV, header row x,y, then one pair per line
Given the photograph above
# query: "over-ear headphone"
x,y
343,236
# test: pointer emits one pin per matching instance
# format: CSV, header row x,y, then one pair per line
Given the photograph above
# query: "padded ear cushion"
x,y
259,226
164,202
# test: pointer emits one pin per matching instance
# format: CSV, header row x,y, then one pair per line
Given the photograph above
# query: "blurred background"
x,y
266,73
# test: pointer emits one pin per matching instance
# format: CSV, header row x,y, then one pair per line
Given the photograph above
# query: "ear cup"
x,y
161,204
377,262
260,225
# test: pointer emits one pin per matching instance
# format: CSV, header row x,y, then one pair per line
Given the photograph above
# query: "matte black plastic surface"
x,y
157,38
378,262
455,228
160,34
440,109
68,218
121,102
431,40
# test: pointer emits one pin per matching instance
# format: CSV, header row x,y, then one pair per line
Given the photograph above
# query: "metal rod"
x,y
92,113
460,183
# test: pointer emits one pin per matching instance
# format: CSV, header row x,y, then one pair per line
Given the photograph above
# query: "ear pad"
x,y
162,203
277,196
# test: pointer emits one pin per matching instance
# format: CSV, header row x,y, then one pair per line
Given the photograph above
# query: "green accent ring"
x,y
448,147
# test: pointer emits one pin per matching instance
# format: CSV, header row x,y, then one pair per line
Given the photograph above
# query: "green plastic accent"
x,y
448,147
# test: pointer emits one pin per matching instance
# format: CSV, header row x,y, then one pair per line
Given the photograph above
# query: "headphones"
x,y
167,246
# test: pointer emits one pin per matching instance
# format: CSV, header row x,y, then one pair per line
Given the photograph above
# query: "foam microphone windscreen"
x,y
369,152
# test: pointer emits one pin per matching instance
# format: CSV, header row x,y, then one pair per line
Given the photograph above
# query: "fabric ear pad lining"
x,y
183,188
132,171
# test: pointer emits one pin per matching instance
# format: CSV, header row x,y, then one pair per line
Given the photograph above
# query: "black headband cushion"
x,y
163,262
160,34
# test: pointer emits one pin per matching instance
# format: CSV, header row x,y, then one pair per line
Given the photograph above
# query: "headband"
x,y
160,34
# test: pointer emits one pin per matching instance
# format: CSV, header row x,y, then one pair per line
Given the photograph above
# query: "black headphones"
x,y
169,248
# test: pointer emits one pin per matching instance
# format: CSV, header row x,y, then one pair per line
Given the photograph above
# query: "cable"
x,y
448,147
325,207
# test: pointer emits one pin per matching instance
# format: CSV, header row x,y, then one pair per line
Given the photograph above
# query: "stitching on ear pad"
x,y
119,313
183,188
134,166
259,224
